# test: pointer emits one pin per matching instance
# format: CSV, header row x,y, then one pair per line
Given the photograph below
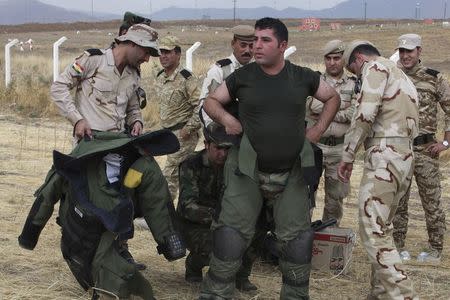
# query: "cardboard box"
x,y
332,250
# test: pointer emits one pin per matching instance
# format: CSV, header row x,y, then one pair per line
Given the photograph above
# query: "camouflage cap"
x,y
169,43
216,134
243,33
409,41
130,19
142,35
333,47
351,47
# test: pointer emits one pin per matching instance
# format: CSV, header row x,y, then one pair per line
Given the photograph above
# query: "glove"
x,y
173,247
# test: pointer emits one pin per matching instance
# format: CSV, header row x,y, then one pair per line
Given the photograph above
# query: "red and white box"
x,y
332,250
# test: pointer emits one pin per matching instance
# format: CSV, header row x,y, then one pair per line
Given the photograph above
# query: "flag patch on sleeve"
x,y
77,68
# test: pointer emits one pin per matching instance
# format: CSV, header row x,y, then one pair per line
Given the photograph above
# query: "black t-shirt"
x,y
272,111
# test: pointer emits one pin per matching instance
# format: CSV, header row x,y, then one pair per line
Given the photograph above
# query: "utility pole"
x,y
365,11
417,10
445,10
234,11
151,11
92,9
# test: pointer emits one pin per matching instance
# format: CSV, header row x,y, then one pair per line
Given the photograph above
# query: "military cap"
x,y
334,47
142,35
409,41
169,43
244,33
216,134
130,19
350,47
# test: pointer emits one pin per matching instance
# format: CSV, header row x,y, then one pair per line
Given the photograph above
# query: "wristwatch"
x,y
445,143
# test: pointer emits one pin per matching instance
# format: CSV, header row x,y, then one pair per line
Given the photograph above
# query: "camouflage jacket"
x,y
215,76
103,97
341,122
387,106
433,89
200,189
178,98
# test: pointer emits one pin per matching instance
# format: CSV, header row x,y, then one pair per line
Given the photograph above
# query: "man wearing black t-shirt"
x,y
265,170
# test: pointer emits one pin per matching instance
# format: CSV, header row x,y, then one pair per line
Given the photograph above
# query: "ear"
x,y
419,50
283,45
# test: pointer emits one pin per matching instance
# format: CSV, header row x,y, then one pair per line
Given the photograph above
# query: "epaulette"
x,y
186,74
318,72
159,73
432,72
94,51
223,62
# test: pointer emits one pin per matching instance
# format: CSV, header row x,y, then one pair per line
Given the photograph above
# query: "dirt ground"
x,y
25,156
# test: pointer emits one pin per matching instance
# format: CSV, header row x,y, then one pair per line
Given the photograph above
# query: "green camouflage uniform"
x,y
142,181
332,141
433,90
178,98
386,121
201,187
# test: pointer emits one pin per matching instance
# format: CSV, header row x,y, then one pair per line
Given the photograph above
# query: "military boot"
x,y
194,264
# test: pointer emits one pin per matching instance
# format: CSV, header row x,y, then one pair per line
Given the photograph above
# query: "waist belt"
x,y
424,139
331,140
400,141
176,126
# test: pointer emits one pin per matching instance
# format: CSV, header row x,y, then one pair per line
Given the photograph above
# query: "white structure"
x,y
289,51
189,53
56,56
8,61
30,44
395,57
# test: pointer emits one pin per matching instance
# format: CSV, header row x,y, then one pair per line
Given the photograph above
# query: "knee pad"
x,y
299,250
228,244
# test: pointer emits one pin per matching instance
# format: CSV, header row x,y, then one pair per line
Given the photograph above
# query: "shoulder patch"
x,y
432,72
133,179
186,74
94,51
223,62
159,73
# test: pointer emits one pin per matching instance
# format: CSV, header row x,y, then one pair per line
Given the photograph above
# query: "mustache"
x,y
246,54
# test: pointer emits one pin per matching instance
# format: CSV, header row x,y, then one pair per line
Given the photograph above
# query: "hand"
x,y
345,171
435,149
81,129
313,134
232,125
185,134
137,129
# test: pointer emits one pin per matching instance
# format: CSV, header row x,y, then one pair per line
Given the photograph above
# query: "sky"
x,y
148,6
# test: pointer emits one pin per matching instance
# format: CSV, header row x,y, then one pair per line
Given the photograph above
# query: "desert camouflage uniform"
x,y
104,98
433,89
386,120
332,141
178,98
215,76
201,187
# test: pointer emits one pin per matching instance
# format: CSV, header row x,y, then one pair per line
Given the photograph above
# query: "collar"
x,y
342,80
413,70
172,76
111,62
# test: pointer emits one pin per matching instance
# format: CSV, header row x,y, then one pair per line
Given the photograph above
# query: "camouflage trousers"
x,y
173,161
428,179
335,190
386,177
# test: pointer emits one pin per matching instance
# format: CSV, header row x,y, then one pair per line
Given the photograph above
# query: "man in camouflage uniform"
x,y
242,44
332,140
386,121
201,184
434,90
177,92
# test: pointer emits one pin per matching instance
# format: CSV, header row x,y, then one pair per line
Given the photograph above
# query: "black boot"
x,y
194,264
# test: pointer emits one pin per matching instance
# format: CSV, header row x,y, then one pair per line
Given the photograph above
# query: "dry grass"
x,y
25,156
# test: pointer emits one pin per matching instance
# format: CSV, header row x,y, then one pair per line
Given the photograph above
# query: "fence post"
x,y
8,61
289,51
56,56
189,53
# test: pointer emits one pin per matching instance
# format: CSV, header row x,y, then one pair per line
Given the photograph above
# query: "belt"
x,y
401,141
331,140
424,139
176,126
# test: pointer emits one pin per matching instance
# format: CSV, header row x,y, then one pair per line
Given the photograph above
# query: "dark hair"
x,y
177,49
365,49
279,29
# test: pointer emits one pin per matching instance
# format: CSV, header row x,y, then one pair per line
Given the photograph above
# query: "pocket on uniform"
x,y
103,91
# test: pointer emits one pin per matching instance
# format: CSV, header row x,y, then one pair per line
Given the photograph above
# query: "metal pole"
x,y
365,11
8,61
445,10
189,53
92,9
56,56
289,51
234,11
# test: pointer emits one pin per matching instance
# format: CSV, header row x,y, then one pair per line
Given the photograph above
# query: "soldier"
x,y
433,90
264,172
201,186
333,139
99,201
386,121
242,44
107,88
177,92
